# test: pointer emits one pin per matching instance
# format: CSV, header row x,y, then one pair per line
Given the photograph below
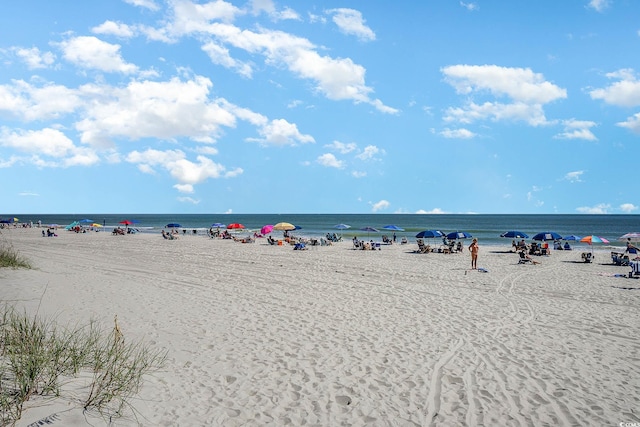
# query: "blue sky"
x,y
147,106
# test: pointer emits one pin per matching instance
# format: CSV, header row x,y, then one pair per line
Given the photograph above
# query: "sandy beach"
x,y
261,335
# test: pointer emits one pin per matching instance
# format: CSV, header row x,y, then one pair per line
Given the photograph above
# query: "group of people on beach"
x,y
172,235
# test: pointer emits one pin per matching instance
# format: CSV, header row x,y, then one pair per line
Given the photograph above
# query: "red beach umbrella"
x,y
235,226
126,222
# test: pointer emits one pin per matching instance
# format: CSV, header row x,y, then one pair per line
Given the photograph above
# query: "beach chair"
x,y
619,258
587,257
404,241
635,269
422,248
523,258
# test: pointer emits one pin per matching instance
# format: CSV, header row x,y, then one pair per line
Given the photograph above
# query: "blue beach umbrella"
x,y
218,225
87,220
572,237
459,235
393,228
547,235
513,234
173,225
369,230
429,234
342,226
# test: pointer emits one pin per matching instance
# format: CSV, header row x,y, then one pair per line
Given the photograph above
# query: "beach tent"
x,y
73,224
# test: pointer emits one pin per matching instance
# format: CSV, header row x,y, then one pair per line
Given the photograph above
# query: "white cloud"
x,y
47,142
190,17
268,7
350,22
32,103
598,5
338,79
280,132
574,176
45,148
628,207
369,152
112,28
358,174
341,147
528,92
184,188
623,93
519,84
82,156
599,209
329,160
147,4
186,172
189,200
382,204
436,211
632,123
34,58
458,133
469,6
577,129
163,110
220,55
93,53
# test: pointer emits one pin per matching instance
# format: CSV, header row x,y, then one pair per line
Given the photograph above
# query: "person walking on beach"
x,y
473,248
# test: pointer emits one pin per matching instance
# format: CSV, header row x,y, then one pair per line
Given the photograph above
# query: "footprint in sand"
x,y
343,400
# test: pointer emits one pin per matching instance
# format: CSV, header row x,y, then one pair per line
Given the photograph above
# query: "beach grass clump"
x,y
9,257
38,358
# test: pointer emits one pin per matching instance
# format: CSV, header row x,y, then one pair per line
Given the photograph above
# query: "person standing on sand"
x,y
473,248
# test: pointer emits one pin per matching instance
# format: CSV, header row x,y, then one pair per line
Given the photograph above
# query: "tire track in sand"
x,y
435,385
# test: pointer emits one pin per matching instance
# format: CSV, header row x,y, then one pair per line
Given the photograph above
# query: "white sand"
x,y
263,335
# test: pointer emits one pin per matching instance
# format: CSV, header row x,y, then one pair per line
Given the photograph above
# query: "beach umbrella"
x,y
429,234
127,222
593,239
86,220
590,240
266,229
218,225
341,226
369,230
635,236
284,226
514,234
95,224
547,235
173,225
572,237
458,235
393,228
235,226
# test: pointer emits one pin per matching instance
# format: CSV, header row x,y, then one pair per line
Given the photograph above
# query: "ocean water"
x,y
487,228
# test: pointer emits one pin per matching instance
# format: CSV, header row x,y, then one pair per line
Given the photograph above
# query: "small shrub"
x,y
36,356
9,257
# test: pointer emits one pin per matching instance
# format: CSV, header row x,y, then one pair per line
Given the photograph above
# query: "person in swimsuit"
x,y
474,248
